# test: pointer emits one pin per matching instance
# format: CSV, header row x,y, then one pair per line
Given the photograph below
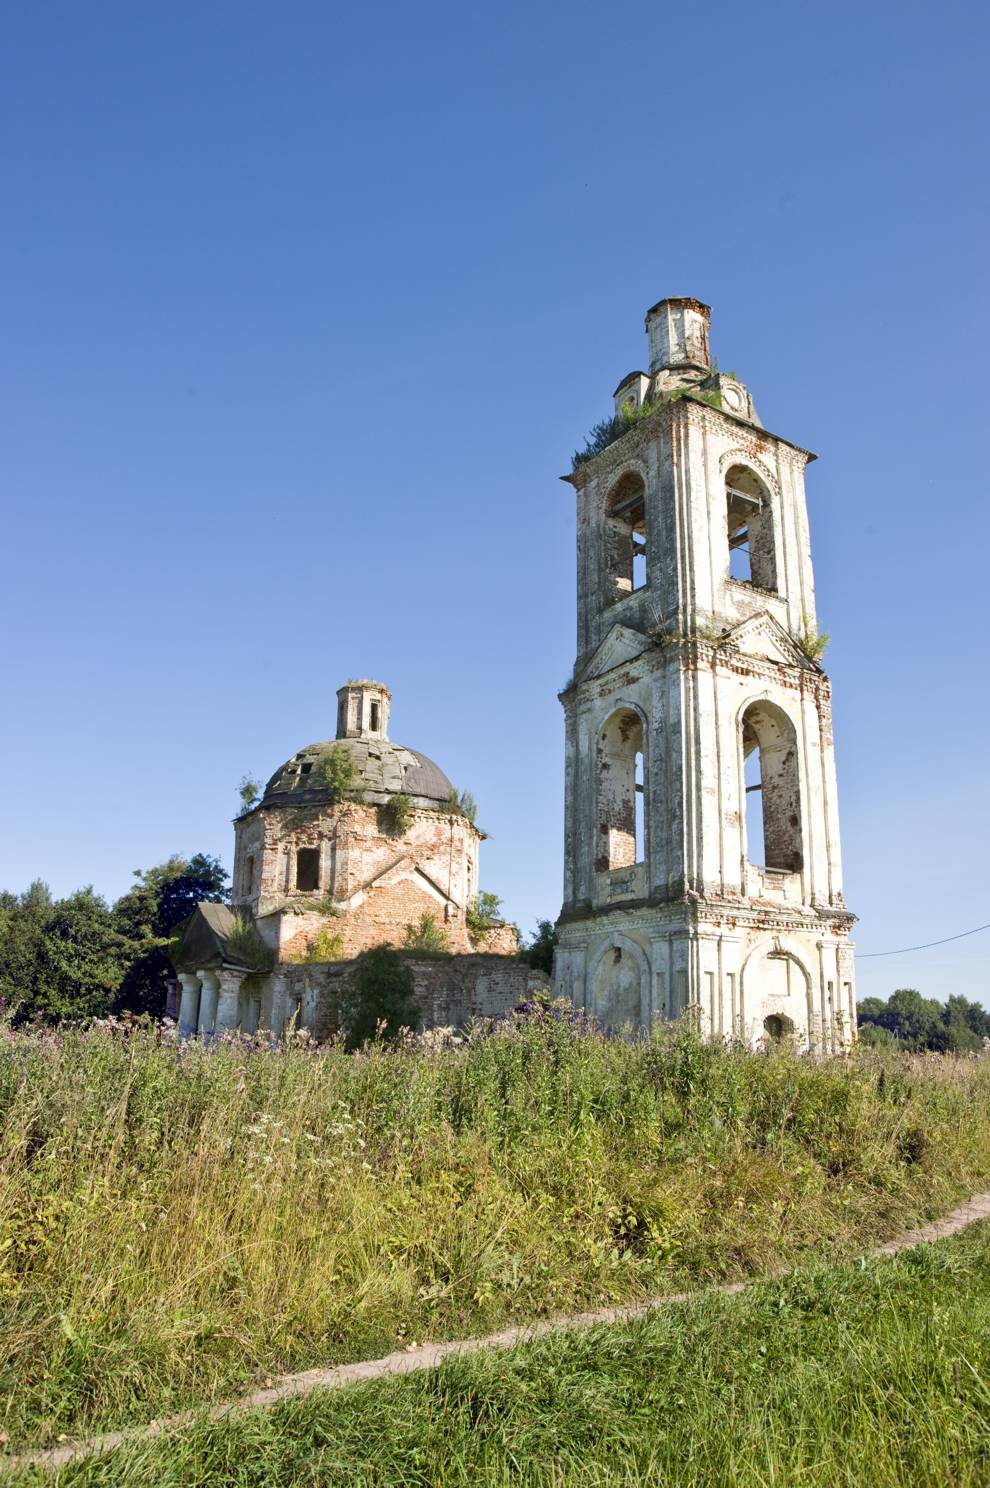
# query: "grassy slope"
x,y
853,1375
173,1227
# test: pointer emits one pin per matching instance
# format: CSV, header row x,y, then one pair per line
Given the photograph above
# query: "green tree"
x,y
81,960
376,998
23,918
976,1017
911,1021
147,917
539,952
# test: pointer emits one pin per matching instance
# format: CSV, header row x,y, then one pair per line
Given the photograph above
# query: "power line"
x,y
928,944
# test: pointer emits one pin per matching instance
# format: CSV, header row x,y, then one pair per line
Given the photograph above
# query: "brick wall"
x,y
450,990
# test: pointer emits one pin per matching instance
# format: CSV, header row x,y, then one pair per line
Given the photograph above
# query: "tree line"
x,y
907,1020
80,957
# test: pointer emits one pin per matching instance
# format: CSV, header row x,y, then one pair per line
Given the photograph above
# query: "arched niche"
x,y
775,983
618,984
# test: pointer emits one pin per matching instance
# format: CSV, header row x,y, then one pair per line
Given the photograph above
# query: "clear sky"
x,y
306,307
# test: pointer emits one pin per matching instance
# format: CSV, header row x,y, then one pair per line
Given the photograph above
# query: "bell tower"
x,y
702,869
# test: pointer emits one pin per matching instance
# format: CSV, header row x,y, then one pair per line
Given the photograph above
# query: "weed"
x,y
338,773
426,935
812,641
246,945
398,814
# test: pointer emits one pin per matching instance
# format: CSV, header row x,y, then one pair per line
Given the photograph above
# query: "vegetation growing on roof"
x,y
246,945
812,641
338,773
464,804
397,814
249,791
609,430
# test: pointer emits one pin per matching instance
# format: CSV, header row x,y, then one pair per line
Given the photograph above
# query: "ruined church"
x,y
702,873
355,842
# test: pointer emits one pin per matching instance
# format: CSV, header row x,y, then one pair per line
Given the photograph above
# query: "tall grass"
x,y
874,1376
176,1221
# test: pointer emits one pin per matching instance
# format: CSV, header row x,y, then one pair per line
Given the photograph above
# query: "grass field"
x,y
175,1225
859,1375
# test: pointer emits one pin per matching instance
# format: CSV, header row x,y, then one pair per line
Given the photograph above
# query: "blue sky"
x,y
306,307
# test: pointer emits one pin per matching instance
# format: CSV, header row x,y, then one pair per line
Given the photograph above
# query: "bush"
x,y
249,791
427,935
376,1000
812,641
338,773
482,916
328,945
398,814
463,804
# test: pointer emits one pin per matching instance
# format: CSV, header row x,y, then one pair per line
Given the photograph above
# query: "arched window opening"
x,y
777,1027
749,529
625,536
621,792
772,785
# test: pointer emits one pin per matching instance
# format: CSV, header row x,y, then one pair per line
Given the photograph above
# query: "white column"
x,y
229,999
208,1000
189,1003
280,1002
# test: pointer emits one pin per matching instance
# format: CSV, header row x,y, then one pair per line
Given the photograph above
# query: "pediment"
x,y
619,646
762,635
400,869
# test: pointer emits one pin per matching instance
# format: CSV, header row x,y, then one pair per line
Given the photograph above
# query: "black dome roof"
x,y
384,769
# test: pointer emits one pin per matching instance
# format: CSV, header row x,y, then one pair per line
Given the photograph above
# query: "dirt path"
x,y
429,1355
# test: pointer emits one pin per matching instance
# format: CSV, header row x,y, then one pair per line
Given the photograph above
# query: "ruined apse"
x,y
702,870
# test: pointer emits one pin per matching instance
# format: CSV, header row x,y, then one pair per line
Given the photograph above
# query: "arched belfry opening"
x,y
773,789
621,789
749,529
625,536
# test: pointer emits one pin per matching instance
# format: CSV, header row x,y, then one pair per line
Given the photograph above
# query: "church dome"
x,y
383,768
